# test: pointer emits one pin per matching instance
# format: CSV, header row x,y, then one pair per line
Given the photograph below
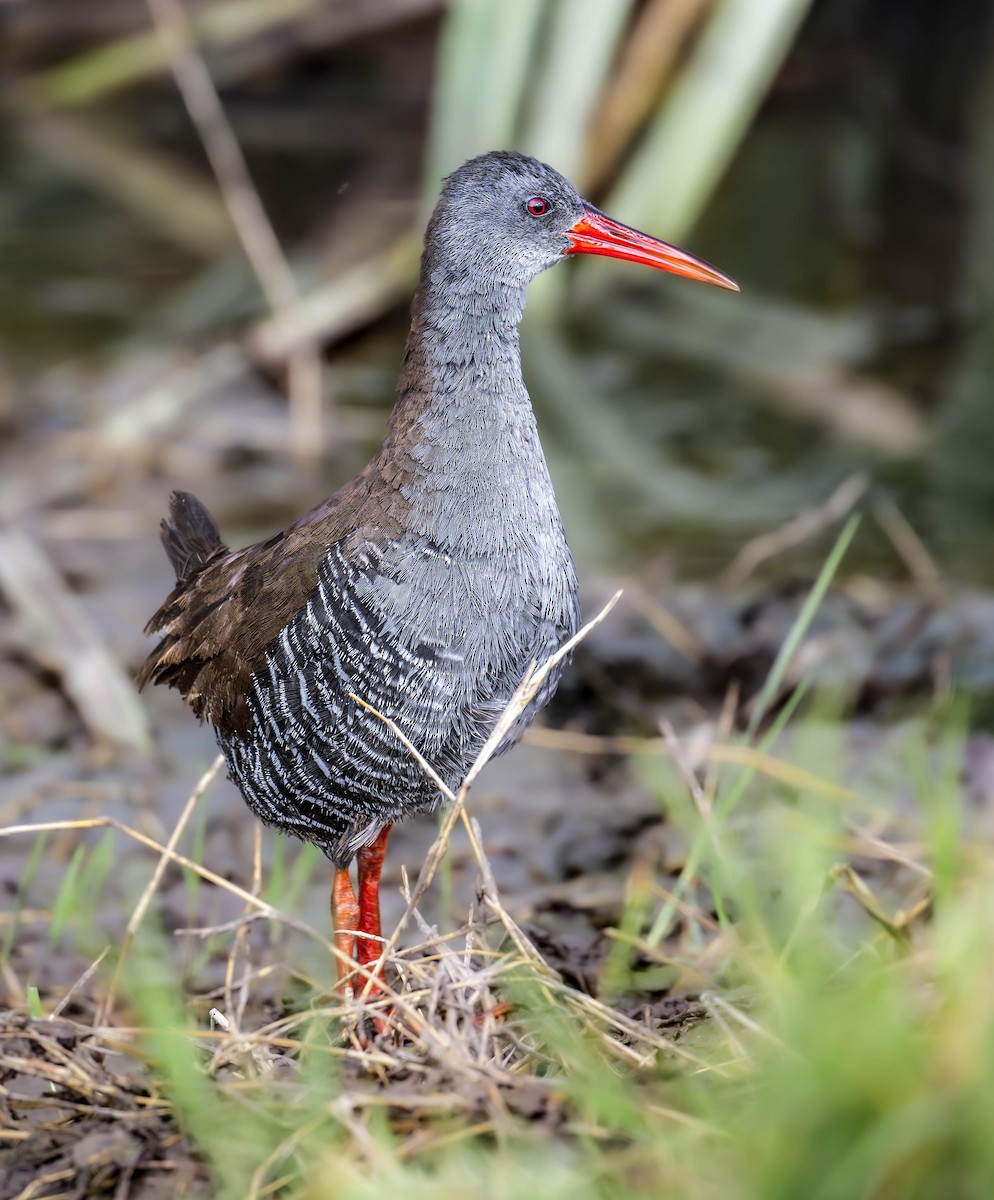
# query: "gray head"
x,y
505,215
505,218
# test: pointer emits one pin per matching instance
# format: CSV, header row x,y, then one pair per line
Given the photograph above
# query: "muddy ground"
x,y
568,819
717,445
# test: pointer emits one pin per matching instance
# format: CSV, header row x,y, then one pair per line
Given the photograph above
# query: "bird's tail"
x,y
190,536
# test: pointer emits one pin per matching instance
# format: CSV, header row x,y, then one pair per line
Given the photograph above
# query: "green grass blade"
x,y
128,60
726,804
798,632
580,49
705,115
24,887
484,61
69,897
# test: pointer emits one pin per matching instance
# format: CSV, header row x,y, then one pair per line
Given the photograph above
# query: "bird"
x,y
426,586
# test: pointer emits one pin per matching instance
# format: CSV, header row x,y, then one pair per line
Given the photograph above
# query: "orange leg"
x,y
344,922
370,866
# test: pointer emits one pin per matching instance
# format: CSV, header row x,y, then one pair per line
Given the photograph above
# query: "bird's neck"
x,y
462,363
461,398
463,431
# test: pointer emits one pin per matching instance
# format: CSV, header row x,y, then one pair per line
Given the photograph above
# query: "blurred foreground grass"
x,y
833,949
839,1067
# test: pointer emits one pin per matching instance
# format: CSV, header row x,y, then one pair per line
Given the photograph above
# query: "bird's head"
x,y
508,217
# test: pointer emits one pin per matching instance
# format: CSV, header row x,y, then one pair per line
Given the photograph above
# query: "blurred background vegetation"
x,y
835,157
758,836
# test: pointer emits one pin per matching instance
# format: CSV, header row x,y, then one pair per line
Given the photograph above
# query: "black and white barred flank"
x,y
317,765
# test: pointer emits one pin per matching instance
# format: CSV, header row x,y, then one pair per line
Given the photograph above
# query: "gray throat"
x,y
463,430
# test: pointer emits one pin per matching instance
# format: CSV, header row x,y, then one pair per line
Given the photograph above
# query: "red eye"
x,y
537,206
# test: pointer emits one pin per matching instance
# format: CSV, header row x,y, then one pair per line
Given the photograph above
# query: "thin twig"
x,y
138,915
909,546
670,628
180,860
729,754
523,696
797,531
238,942
698,793
80,983
59,634
251,221
408,745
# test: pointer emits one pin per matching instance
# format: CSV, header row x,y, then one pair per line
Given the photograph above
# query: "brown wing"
x,y
229,605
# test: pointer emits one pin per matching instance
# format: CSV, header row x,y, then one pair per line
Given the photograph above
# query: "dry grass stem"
x,y
76,988
173,856
247,212
59,634
724,732
239,941
525,693
353,299
846,877
796,532
670,628
661,31
140,909
864,844
909,546
409,746
713,1001
672,742
717,1014
728,754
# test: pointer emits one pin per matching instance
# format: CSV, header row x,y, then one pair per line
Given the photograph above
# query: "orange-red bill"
x,y
596,234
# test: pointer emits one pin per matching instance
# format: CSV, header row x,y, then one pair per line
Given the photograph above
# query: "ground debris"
x,y
80,1117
